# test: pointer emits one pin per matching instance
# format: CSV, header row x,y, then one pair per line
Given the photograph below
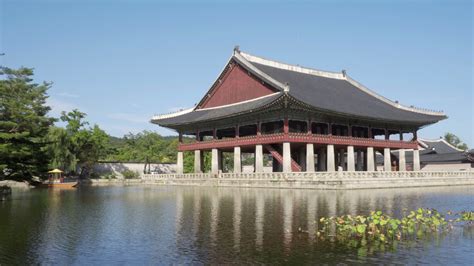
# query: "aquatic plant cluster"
x,y
381,228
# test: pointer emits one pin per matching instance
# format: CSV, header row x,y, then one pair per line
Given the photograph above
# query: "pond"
x,y
204,225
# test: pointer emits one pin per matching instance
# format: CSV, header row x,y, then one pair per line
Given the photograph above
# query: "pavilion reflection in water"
x,y
256,218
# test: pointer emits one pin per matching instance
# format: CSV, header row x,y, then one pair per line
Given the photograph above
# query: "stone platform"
x,y
322,180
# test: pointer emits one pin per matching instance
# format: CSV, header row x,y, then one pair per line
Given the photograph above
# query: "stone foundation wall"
x,y
322,180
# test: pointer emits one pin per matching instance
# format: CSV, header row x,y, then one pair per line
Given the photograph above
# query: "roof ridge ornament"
x,y
237,49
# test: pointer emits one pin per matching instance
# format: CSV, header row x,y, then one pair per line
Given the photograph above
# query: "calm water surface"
x,y
194,225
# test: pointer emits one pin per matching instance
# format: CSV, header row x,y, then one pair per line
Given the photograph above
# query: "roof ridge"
x,y
334,75
290,67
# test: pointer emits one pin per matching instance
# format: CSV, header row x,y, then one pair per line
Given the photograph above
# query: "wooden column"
x,y
286,126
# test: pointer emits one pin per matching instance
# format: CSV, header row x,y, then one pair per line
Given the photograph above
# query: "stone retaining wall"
x,y
323,180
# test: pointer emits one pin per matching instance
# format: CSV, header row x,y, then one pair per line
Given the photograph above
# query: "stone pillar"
x,y
387,165
331,166
237,160
360,160
416,160
350,158
370,159
258,159
180,163
197,161
309,157
401,160
286,157
215,161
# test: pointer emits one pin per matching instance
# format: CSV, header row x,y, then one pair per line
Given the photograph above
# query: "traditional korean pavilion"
x,y
306,119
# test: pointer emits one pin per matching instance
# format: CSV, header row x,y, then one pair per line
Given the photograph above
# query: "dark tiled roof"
x,y
216,113
325,92
339,95
430,157
439,146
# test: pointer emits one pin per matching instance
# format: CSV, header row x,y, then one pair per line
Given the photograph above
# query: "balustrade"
x,y
311,176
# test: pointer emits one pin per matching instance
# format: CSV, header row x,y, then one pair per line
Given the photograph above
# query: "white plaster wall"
x,y
118,168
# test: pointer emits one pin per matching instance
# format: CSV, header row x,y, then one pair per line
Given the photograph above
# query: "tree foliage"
x,y
146,146
455,141
23,124
76,147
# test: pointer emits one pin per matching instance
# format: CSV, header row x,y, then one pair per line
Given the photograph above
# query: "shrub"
x,y
108,175
129,174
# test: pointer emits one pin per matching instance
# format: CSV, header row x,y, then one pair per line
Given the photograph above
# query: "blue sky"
x,y
123,61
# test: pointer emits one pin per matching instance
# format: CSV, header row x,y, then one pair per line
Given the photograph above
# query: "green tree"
x,y
58,148
23,124
77,147
455,141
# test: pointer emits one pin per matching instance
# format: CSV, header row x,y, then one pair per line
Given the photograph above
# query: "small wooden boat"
x,y
60,185
57,181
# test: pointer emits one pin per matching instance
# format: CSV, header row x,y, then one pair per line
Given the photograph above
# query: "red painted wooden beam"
x,y
297,138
